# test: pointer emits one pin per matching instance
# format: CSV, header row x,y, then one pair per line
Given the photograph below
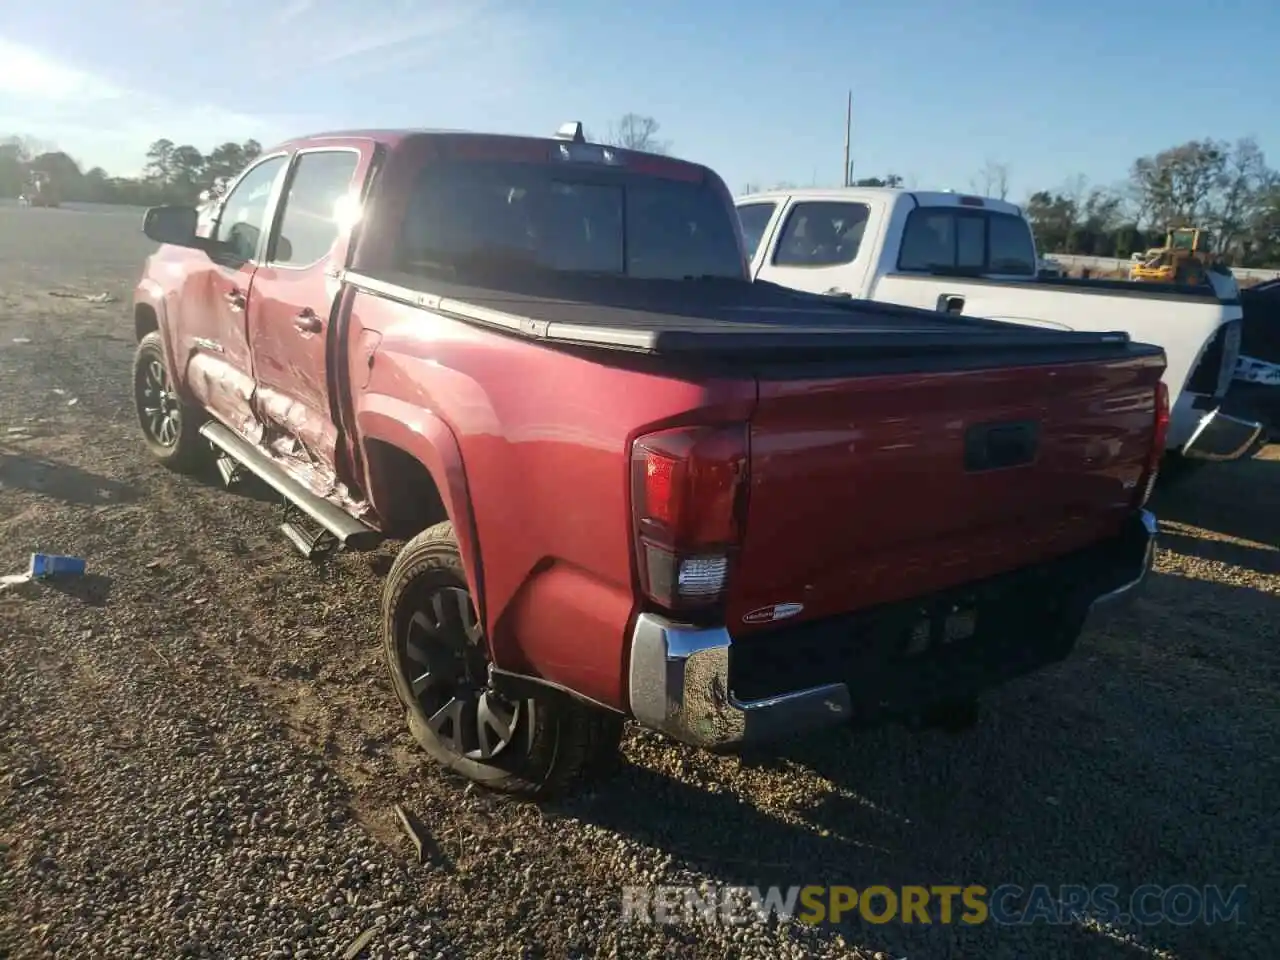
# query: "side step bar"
x,y
344,528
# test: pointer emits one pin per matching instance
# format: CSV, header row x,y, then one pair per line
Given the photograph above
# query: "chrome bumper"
x,y
679,685
1222,437
679,677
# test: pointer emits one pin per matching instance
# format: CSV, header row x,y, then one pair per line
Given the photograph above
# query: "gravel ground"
x,y
199,750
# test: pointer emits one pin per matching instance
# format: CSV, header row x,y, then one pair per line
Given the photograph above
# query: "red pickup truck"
x,y
632,482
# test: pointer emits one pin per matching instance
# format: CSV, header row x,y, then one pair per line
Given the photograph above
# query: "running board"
x,y
316,543
230,470
345,529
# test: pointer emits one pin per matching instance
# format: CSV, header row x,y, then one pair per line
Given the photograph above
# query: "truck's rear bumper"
x,y
701,687
1220,436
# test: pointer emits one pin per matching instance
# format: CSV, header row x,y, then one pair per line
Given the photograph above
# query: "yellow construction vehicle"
x,y
1186,257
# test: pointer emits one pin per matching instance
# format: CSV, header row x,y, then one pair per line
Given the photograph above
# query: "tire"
x,y
535,748
177,444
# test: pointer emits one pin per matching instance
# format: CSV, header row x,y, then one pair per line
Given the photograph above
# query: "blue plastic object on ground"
x,y
50,565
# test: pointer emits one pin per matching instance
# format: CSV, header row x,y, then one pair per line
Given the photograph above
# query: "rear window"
x,y
943,238
572,220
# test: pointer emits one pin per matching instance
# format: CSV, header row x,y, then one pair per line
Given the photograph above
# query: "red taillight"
x,y
1162,421
688,494
1161,432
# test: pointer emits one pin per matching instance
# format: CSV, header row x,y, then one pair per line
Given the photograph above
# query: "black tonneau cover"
x,y
723,317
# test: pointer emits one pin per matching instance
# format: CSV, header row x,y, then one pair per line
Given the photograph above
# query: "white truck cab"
x,y
977,256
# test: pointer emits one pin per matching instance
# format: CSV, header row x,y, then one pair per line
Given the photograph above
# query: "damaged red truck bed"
x,y
631,482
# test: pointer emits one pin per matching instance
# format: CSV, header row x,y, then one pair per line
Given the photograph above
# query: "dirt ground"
x,y
199,749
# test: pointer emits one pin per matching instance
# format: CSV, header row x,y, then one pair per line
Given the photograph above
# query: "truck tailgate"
x,y
873,489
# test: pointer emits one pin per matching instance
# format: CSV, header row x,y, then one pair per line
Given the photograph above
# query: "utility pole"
x,y
848,127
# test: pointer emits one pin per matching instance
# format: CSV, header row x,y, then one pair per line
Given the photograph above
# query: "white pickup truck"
x,y
977,256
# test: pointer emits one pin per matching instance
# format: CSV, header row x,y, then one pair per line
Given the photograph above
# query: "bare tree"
x,y
992,180
1076,189
1178,185
1139,205
1245,181
636,132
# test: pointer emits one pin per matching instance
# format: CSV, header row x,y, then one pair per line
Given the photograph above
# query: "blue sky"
x,y
755,89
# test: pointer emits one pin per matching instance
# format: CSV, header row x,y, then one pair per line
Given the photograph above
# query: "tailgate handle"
x,y
996,446
949,303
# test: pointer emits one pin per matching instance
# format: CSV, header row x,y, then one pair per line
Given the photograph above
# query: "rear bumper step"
x,y
1222,437
344,528
702,687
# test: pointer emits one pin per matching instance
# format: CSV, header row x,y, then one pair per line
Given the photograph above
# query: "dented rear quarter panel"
x,y
541,439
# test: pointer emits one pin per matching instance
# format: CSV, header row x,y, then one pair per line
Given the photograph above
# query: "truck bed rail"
x,y
762,320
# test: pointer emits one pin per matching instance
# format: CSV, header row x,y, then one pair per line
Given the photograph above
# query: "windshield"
x,y
511,215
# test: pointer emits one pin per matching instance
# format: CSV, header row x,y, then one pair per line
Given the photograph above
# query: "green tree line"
x,y
175,173
1226,188
179,173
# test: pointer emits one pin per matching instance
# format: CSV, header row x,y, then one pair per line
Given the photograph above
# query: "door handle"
x,y
235,299
308,321
837,292
950,304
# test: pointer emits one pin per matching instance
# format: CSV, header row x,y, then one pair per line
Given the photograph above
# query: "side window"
x,y
1012,249
754,218
320,185
928,240
244,213
821,234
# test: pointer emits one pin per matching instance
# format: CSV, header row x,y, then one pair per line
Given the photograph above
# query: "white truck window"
x,y
942,238
821,234
1012,249
971,243
754,218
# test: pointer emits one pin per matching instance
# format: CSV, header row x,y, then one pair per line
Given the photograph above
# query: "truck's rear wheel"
x,y
170,427
439,661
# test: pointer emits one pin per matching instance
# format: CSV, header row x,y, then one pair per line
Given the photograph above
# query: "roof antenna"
x,y
848,127
571,131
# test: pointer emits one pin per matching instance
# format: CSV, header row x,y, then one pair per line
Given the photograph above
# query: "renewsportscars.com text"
x,y
1007,904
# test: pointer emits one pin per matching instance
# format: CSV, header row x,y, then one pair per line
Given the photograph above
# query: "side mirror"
x,y
175,225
